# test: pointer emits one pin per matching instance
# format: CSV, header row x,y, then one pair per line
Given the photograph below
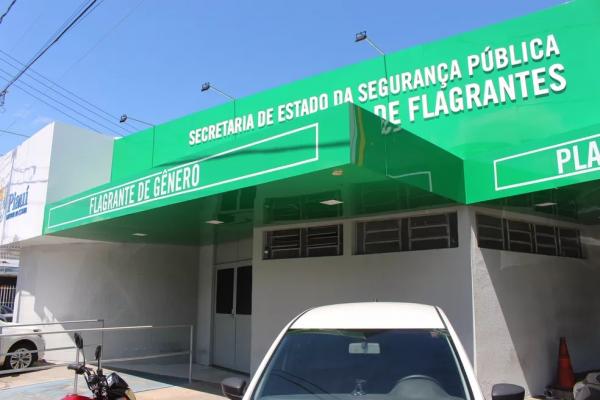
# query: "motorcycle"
x,y
103,387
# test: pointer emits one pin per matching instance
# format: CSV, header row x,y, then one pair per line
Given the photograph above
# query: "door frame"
x,y
234,264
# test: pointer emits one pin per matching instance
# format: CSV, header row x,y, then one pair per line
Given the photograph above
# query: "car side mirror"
x,y
78,341
233,388
506,391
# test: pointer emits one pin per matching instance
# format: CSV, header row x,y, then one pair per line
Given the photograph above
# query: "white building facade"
x,y
236,228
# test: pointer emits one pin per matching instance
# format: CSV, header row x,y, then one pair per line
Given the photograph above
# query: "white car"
x,y
376,351
26,349
6,313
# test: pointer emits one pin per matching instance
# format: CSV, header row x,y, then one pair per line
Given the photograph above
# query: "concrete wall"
x,y
81,159
125,284
25,171
508,308
524,303
57,161
284,288
204,313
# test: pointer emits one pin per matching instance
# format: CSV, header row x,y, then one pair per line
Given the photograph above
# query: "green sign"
x,y
509,108
555,162
238,164
474,92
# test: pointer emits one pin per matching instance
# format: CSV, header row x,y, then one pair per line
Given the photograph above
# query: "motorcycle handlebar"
x,y
78,368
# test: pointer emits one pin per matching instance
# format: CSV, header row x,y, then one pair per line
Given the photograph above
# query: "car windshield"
x,y
375,364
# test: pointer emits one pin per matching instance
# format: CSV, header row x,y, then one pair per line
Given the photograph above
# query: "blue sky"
x,y
148,58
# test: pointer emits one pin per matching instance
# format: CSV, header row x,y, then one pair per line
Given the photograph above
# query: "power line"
x,y
56,108
99,113
91,11
101,39
43,51
32,24
58,102
31,72
12,3
13,133
64,24
108,118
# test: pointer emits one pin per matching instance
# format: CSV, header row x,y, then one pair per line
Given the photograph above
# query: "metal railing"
x,y
188,352
7,296
78,321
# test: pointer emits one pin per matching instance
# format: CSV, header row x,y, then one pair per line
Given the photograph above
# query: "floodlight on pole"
x,y
206,86
362,36
124,118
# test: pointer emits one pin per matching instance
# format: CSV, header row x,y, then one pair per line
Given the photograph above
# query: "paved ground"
x,y
53,384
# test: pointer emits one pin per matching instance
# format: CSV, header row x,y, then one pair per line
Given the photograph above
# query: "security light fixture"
x,y
331,202
546,204
362,36
125,117
206,86
214,222
139,234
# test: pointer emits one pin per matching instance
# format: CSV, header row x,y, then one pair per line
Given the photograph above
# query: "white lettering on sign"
x,y
222,129
570,159
164,184
573,157
491,77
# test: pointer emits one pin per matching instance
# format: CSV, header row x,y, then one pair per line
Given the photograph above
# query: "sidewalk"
x,y
53,384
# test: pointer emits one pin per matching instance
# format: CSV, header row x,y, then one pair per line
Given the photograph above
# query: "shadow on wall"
x,y
124,284
543,298
26,299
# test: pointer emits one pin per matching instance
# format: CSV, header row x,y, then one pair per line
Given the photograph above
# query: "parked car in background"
x,y
25,349
376,351
6,313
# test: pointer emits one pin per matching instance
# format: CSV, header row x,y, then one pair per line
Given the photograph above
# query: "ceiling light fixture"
x,y
331,202
337,172
214,222
546,204
139,234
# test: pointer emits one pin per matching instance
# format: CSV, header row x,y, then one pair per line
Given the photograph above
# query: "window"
x,y
385,364
323,241
315,241
569,244
490,233
283,244
437,231
379,236
519,235
507,234
545,239
225,280
432,232
243,296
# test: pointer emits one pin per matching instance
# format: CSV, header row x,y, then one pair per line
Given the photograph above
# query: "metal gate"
x,y
7,296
